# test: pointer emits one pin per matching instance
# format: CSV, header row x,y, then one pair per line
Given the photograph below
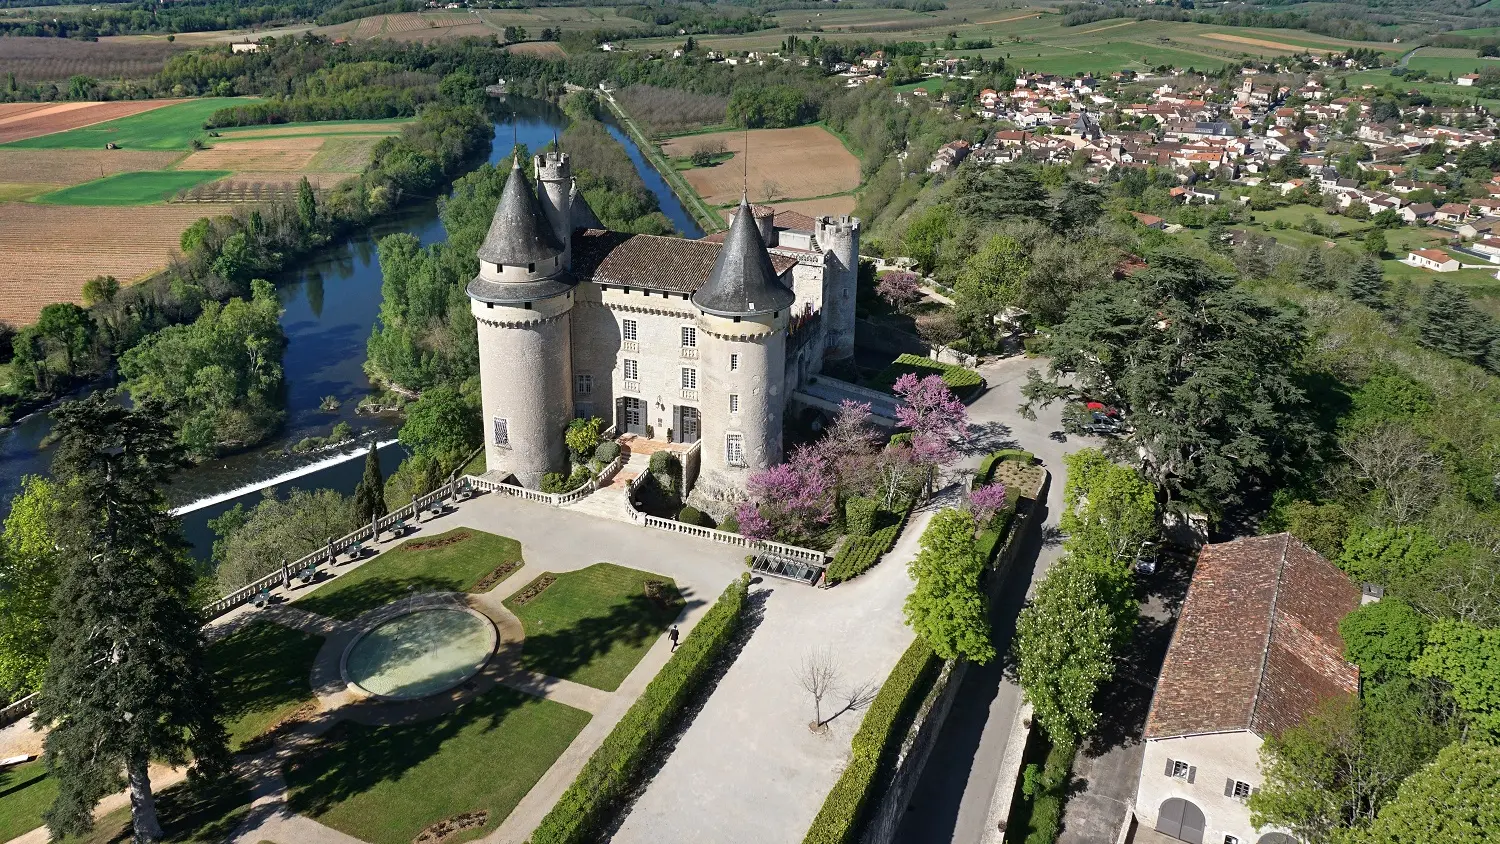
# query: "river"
x,y
330,303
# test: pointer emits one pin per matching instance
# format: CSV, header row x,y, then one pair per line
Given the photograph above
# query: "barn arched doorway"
x,y
1276,838
1181,820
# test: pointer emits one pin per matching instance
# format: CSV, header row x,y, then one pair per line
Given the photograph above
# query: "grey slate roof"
x,y
519,235
743,281
582,216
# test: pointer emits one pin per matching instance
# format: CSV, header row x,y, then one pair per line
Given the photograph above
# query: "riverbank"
x,y
705,217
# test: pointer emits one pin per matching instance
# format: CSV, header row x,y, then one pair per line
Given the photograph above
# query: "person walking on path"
x,y
673,634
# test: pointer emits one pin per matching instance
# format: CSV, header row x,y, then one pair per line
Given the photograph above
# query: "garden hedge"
x,y
987,465
875,747
607,451
963,382
584,811
859,515
859,554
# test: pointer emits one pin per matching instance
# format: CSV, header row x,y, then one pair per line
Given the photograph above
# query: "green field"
x,y
1440,62
387,784
142,187
166,128
593,626
263,672
390,125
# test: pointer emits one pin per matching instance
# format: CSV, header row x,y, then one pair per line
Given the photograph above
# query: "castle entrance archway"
x,y
1181,820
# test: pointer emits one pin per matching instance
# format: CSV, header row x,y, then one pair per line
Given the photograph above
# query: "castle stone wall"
x,y
525,368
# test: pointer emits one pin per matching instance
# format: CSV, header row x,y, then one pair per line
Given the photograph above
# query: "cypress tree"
x,y
126,681
369,496
1367,284
307,205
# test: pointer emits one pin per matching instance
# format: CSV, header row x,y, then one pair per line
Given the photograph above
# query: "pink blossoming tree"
x,y
985,502
936,417
899,289
790,498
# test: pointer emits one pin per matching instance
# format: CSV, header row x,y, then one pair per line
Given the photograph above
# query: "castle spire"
x,y
518,234
743,282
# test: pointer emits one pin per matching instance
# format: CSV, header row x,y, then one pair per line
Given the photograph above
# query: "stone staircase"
x,y
609,501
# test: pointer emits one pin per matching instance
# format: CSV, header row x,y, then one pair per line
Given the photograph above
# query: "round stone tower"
x,y
744,308
522,299
554,176
839,239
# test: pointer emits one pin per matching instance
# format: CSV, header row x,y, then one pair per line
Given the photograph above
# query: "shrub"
x,y
875,747
607,452
693,516
554,482
963,382
1049,789
859,554
859,516
663,461
581,475
730,524
582,436
583,812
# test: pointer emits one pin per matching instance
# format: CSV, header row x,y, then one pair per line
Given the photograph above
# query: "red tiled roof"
x,y
650,261
795,220
1257,646
1434,255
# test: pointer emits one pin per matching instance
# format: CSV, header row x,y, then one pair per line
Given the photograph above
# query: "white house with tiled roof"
x,y
663,337
1256,650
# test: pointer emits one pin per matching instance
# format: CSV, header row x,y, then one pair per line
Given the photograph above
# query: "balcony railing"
x,y
630,346
689,353
632,386
688,395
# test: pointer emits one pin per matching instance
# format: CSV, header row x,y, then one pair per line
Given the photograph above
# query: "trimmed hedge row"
x,y
584,810
859,554
992,538
963,382
991,460
875,747
1050,782
859,515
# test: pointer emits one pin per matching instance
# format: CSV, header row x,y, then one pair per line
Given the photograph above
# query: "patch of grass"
x,y
169,127
386,784
594,625
453,567
20,191
263,672
200,813
141,187
25,792
963,382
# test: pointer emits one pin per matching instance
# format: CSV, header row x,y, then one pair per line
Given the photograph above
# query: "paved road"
x,y
952,801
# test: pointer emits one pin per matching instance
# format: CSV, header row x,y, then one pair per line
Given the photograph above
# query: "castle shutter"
x,y
1192,772
1168,772
1229,788
676,424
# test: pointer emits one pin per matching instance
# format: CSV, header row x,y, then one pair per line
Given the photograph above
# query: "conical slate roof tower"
x,y
743,282
519,234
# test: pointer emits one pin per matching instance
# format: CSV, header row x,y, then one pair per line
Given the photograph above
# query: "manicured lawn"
x,y
593,626
263,672
963,382
1295,215
452,562
25,792
142,187
189,815
387,784
169,127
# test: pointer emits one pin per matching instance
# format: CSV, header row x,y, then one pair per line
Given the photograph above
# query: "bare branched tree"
x,y
818,676
1399,465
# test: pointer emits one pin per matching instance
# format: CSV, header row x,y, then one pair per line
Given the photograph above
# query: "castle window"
x,y
689,337
531,268
734,402
734,449
632,370
630,330
689,378
502,432
583,384
734,363
584,410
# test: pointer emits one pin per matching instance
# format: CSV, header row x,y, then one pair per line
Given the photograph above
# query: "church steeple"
x,y
519,235
743,282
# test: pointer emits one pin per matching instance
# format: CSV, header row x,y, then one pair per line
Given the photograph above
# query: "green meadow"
x,y
142,187
167,128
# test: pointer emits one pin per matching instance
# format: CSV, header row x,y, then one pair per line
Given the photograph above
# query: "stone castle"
x,y
663,337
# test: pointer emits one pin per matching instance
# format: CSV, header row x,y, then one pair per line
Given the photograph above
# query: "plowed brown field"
x,y
47,252
74,166
284,154
64,116
784,164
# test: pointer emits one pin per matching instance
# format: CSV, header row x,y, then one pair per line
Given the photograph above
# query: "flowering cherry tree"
x,y
899,289
936,418
789,498
985,502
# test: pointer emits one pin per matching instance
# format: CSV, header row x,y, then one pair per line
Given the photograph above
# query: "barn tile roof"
x,y
1257,646
650,261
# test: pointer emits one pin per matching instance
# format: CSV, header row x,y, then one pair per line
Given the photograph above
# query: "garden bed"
x,y
533,589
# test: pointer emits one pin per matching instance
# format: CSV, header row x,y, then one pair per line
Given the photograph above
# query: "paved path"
x,y
953,801
748,769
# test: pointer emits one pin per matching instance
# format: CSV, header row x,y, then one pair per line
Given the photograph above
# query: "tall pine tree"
x,y
126,681
1366,284
1450,323
369,496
